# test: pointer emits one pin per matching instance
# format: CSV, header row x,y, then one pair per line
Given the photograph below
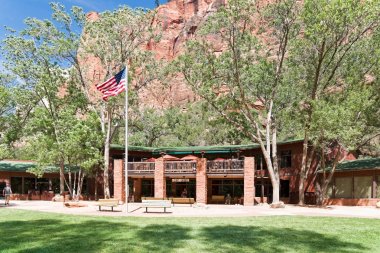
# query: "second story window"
x,y
260,163
286,159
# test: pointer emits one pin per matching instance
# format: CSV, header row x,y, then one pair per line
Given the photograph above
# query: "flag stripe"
x,y
113,86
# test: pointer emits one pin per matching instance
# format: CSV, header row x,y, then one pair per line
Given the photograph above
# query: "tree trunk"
x,y
276,192
318,193
62,177
107,157
276,186
301,187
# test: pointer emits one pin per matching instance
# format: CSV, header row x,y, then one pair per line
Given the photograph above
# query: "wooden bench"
x,y
107,202
189,201
152,198
217,199
156,204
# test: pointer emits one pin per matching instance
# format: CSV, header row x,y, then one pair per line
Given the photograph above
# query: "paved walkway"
x,y
196,211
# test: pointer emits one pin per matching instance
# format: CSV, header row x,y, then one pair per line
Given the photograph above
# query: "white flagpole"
x,y
126,139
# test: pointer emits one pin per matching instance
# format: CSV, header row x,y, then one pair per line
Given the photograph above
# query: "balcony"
x,y
225,167
262,173
180,167
137,168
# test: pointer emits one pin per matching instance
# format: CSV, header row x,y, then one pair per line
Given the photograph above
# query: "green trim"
x,y
198,149
356,165
24,166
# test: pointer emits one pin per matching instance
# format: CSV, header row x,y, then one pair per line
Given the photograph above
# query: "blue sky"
x,y
13,12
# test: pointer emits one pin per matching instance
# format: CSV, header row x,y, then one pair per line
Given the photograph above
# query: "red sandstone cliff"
x,y
178,21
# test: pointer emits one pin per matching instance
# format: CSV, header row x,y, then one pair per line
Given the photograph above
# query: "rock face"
x,y
179,20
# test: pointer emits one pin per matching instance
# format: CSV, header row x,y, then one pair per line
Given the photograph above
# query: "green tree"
x,y
115,40
245,83
332,56
57,109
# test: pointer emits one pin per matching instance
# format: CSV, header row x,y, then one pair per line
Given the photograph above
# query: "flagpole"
x,y
126,139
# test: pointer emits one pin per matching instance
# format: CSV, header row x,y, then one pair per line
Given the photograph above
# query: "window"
x,y
29,184
2,186
42,184
284,188
56,185
16,184
147,188
226,186
260,163
343,187
378,187
363,187
286,159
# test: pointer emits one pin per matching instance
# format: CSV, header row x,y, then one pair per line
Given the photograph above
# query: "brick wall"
x,y
201,181
119,180
159,179
249,180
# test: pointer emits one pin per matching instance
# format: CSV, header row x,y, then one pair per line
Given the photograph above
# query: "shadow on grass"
x,y
261,239
79,234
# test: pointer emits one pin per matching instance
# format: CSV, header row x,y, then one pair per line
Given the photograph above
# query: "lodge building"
x,y
208,174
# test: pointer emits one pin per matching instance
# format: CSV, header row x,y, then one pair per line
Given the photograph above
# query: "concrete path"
x,y
196,211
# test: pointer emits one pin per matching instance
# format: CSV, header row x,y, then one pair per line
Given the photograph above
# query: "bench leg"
x,y
164,209
146,209
112,208
99,208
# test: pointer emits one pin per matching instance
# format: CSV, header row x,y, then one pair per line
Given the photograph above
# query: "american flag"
x,y
113,86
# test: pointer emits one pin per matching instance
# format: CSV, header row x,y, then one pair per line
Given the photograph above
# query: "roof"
x,y
360,164
198,149
23,166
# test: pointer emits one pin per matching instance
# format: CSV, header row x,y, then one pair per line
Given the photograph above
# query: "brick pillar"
x,y
118,180
201,181
137,189
249,181
159,179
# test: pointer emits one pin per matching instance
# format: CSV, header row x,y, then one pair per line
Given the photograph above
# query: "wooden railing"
x,y
180,167
141,167
225,167
261,173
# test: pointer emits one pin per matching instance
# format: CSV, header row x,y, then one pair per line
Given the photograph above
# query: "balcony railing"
x,y
180,167
141,167
225,167
261,173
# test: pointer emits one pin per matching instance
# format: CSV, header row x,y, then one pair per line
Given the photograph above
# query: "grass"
x,y
27,231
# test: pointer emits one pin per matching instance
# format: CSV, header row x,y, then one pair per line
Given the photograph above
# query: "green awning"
x,y
360,164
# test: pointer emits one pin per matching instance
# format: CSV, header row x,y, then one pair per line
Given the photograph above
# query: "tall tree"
x,y
114,40
330,54
244,81
55,105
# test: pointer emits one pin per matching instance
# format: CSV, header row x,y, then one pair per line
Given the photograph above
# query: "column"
x,y
201,181
159,179
137,189
118,180
249,181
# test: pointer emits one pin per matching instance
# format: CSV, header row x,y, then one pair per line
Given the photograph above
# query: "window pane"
x,y
330,190
16,184
286,159
343,187
363,187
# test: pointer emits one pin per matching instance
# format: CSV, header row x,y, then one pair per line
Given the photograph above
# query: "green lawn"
x,y
26,231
